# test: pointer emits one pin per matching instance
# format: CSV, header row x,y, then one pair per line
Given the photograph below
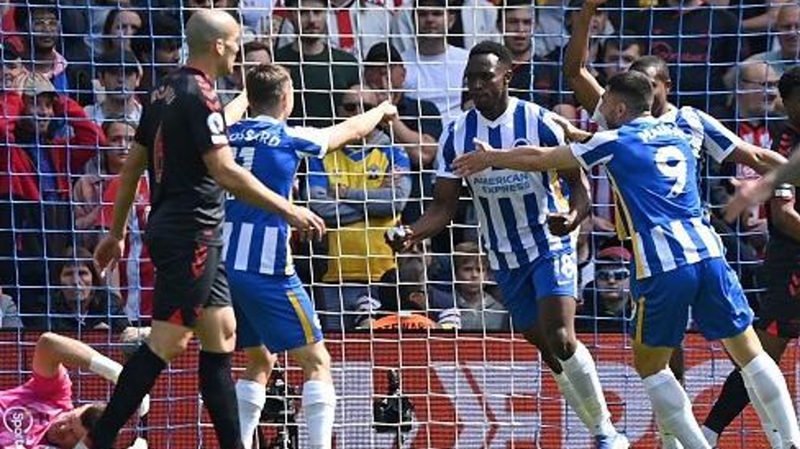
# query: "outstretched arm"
x,y
53,350
762,160
750,193
358,127
526,158
586,88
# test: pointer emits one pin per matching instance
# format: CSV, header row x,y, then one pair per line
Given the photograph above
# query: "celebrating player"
x,y
678,257
779,315
526,228
182,141
272,307
706,131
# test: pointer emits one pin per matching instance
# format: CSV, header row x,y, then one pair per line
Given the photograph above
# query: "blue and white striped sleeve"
x,y
598,150
446,154
718,141
309,142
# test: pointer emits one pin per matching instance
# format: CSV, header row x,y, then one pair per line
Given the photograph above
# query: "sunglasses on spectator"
x,y
353,107
617,275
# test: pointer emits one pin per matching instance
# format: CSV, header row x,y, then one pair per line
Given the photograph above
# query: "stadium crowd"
x,y
74,73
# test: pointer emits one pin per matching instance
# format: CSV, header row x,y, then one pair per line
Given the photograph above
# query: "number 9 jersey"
x,y
652,167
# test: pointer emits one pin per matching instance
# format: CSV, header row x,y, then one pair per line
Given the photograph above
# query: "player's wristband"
x,y
105,368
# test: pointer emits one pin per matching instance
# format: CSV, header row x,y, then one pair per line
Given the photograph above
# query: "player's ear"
x,y
219,47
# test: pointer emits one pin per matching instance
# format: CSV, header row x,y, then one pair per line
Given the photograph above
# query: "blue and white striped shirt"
x,y
257,240
512,206
652,165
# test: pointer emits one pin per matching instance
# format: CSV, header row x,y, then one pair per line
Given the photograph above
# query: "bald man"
x,y
182,142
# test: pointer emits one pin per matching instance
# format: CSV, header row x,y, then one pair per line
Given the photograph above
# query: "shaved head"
x,y
206,27
213,37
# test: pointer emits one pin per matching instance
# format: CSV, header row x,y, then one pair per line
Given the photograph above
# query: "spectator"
x,y
699,43
609,295
617,55
403,302
434,68
39,19
12,68
157,46
119,74
416,128
253,53
90,188
46,397
120,26
134,276
360,192
531,80
9,314
36,184
788,29
81,302
319,73
354,26
478,309
747,114
473,21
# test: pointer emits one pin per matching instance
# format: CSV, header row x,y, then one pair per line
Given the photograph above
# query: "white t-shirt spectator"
x,y
438,79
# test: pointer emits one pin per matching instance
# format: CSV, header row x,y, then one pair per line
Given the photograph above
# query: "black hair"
x,y
645,62
91,416
790,80
157,31
493,48
510,4
635,88
24,12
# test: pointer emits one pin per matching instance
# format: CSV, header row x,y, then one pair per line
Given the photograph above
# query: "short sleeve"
x,y
205,118
718,141
598,150
56,389
309,142
446,154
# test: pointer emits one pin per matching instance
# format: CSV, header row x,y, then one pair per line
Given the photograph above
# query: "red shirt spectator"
x,y
136,271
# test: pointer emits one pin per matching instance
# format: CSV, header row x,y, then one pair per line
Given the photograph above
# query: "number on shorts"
x,y
565,266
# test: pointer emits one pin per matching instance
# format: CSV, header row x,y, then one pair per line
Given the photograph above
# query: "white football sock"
x,y
766,385
673,409
772,434
251,397
573,401
582,375
319,407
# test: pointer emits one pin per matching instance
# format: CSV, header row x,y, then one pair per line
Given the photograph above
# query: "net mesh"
x,y
473,383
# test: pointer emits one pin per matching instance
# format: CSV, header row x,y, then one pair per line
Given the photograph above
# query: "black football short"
x,y
189,277
780,308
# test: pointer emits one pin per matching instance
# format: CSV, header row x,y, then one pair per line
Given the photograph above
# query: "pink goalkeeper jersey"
x,y
28,410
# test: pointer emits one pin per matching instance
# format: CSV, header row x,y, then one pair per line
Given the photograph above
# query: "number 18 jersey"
x,y
652,167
